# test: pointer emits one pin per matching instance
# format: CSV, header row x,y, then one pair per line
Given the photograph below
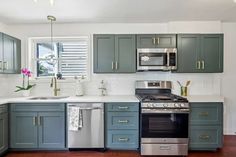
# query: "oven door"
x,y
165,125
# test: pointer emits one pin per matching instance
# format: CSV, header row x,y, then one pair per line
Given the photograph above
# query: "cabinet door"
x,y
166,40
125,52
24,130
3,132
104,53
188,53
51,129
212,53
17,56
8,54
1,52
146,41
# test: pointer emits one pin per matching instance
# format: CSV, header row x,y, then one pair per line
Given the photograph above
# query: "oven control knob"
x,y
150,105
165,105
177,105
182,105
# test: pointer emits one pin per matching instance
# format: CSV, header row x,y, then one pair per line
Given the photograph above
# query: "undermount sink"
x,y
48,97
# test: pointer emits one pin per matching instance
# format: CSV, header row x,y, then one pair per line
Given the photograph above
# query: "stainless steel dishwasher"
x,y
85,125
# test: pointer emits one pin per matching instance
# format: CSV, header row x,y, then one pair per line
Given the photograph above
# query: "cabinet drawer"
x,y
122,120
122,107
206,113
122,139
206,137
38,107
3,108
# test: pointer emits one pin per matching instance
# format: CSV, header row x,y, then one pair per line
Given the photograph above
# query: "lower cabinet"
x,y
122,126
206,126
35,126
3,128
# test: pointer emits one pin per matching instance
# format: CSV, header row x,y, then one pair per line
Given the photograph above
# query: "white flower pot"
x,y
25,93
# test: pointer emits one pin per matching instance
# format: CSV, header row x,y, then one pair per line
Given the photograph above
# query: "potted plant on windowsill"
x,y
26,86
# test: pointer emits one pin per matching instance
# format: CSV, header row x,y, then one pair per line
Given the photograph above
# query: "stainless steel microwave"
x,y
156,59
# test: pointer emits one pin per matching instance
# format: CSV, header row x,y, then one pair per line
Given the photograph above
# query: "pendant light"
x,y
51,19
50,1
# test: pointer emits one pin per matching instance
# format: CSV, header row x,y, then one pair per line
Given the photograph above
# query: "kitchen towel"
x,y
75,118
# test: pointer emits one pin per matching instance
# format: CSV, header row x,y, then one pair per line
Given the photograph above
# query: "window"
x,y
66,56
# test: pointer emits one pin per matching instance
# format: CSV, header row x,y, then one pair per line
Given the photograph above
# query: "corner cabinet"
x,y
37,126
156,41
3,129
114,53
122,126
10,54
206,126
200,53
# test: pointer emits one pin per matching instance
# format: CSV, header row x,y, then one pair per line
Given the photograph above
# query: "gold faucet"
x,y
54,86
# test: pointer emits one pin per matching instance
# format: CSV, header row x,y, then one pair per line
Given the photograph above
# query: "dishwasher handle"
x,y
87,108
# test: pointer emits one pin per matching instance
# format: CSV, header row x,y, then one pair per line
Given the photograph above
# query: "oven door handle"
x,y
165,111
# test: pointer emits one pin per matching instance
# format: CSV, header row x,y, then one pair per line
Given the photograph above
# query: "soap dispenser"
x,y
79,86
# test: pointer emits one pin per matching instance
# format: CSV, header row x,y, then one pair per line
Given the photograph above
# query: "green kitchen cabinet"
x,y
206,126
37,126
10,54
24,130
122,125
156,41
200,53
114,53
3,129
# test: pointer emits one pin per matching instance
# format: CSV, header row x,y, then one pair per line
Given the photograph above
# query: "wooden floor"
x,y
229,150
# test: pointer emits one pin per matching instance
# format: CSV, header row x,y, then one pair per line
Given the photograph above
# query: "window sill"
x,y
48,80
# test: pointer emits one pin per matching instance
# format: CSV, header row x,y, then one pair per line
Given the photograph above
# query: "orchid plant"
x,y
26,73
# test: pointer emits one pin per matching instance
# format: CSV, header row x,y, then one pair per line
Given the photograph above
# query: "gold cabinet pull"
x,y
204,114
198,65
123,121
34,121
0,65
154,41
39,120
203,64
5,65
158,41
116,65
123,139
204,137
112,65
123,107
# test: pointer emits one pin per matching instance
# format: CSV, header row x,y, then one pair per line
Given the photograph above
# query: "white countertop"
x,y
112,98
117,98
205,98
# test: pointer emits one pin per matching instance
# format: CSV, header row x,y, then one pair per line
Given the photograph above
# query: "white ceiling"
x,y
27,11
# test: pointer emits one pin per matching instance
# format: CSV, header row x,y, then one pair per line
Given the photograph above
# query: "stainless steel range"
x,y
164,119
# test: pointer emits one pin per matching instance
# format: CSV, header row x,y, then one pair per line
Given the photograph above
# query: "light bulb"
x,y
35,1
52,2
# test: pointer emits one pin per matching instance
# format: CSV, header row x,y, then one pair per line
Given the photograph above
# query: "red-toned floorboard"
x,y
229,150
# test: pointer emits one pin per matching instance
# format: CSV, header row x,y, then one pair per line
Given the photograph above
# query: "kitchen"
x,y
120,87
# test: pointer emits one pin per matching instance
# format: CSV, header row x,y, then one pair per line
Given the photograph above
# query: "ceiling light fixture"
x,y
52,2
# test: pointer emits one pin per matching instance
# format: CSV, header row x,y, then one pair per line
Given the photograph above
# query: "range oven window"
x,y
153,59
165,125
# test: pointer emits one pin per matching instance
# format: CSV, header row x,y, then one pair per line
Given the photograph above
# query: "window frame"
x,y
32,56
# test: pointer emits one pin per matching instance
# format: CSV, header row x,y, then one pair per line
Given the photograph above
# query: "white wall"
x,y
203,84
229,76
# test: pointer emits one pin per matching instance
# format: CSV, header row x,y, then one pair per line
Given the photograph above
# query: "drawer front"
x,y
122,139
206,113
206,137
122,120
3,108
38,107
127,107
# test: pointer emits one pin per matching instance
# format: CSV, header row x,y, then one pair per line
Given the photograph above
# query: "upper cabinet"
x,y
156,41
114,53
200,53
10,54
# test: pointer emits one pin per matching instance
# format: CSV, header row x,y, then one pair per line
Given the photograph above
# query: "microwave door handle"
x,y
168,59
